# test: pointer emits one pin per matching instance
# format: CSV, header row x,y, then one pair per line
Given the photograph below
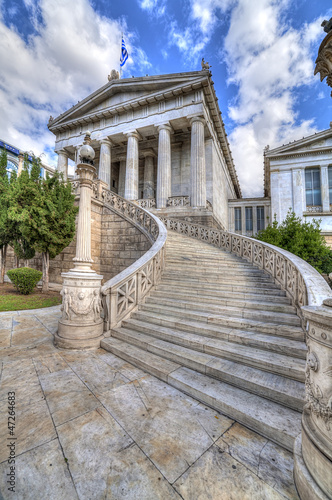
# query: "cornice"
x,y
301,154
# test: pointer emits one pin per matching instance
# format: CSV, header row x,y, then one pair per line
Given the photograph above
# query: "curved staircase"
x,y
222,331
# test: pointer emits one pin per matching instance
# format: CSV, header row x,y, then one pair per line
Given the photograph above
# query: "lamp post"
x,y
81,326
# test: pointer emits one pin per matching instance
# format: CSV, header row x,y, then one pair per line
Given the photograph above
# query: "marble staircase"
x,y
222,331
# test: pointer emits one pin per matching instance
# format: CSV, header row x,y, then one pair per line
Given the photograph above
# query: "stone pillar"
x,y
81,326
254,219
148,185
299,201
164,165
105,162
122,176
313,448
20,164
324,182
131,183
197,163
63,163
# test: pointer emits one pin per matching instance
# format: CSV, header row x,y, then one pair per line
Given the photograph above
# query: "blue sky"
x,y
53,53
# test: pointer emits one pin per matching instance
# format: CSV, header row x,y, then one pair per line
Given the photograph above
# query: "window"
x,y
238,219
248,218
260,219
312,187
330,183
11,166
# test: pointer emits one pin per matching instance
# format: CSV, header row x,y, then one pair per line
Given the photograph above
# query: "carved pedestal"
x,y
81,326
313,449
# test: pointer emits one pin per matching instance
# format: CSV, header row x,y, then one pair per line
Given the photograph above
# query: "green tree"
x,y
4,186
45,213
303,239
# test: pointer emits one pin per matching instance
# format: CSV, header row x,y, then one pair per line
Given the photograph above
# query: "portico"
x,y
157,138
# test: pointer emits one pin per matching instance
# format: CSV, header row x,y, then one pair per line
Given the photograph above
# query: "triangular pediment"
x,y
311,144
127,92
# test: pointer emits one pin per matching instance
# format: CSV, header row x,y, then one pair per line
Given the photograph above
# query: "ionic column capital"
x,y
107,141
135,134
63,152
196,118
165,126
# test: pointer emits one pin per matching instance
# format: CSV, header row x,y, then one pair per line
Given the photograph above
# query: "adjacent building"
x,y
15,159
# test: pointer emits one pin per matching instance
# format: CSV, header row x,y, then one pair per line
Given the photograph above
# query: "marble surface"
x,y
90,425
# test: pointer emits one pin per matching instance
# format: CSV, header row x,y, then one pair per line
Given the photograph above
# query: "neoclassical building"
x,y
158,139
299,176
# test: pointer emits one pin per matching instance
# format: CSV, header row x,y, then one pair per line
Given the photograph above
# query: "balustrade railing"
x,y
122,293
178,201
147,203
303,284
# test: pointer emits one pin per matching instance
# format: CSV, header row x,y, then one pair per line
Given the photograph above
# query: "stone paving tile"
x,y
66,394
16,353
21,377
33,427
269,461
162,422
129,371
94,372
106,463
216,475
41,473
5,337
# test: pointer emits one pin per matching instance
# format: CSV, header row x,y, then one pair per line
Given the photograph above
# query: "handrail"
x,y
122,293
303,284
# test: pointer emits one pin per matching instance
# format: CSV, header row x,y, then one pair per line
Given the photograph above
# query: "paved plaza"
x,y
89,425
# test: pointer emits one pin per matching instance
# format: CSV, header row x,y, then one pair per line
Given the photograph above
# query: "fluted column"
x,y
325,188
105,162
63,163
148,185
131,183
20,163
122,176
164,165
197,163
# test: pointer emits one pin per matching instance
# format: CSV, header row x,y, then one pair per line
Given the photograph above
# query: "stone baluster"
x,y
20,163
197,163
148,185
122,175
313,448
131,183
105,162
63,163
164,165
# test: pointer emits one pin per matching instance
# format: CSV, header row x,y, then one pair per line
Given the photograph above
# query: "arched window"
x,y
11,166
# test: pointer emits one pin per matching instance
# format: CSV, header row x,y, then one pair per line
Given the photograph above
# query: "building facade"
x,y
158,139
15,159
298,176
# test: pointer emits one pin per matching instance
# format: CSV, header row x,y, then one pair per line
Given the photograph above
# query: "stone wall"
x,y
121,244
115,245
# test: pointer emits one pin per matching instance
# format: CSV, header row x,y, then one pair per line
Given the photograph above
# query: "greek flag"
x,y
124,54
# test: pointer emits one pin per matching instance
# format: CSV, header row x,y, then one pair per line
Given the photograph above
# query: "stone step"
x,y
235,289
206,359
218,271
222,294
190,332
274,421
236,283
217,277
293,332
209,263
279,388
229,301
246,313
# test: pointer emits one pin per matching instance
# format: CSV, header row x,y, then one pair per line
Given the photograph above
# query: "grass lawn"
x,y
12,300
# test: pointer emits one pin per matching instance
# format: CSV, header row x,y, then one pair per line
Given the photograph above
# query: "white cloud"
x,y
267,60
153,7
70,55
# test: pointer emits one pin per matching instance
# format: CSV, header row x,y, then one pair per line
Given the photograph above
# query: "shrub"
x,y
24,279
303,239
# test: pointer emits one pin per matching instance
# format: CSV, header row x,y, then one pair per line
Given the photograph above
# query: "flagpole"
x,y
121,54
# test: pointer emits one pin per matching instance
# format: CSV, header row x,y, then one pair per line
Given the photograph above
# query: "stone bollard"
x,y
313,448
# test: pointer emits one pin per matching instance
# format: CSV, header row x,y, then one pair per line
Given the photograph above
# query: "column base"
x,y
79,337
305,484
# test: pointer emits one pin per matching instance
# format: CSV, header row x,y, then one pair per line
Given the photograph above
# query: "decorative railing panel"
x,y
124,292
301,281
178,201
147,203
